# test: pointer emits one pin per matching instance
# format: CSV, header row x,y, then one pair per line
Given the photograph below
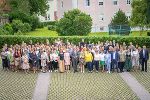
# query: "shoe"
x,y
49,71
96,71
146,71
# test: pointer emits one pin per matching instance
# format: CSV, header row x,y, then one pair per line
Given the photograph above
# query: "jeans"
x,y
108,65
114,65
89,65
96,63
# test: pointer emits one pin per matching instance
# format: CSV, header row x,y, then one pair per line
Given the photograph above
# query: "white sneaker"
x,y
51,71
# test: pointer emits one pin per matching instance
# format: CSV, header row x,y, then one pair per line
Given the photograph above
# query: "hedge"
x,y
11,40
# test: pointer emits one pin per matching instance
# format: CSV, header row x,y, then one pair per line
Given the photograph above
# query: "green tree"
x,y
140,14
120,19
74,22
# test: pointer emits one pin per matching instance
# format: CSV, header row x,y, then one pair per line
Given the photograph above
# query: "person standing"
x,y
17,56
25,64
114,59
75,58
55,58
88,60
144,55
82,60
128,63
4,59
61,61
96,60
67,60
108,61
122,58
44,59
34,61
135,59
102,60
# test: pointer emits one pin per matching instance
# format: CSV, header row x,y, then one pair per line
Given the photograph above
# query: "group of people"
x,y
106,56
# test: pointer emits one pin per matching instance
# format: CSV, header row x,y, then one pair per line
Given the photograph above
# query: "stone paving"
x,y
89,86
16,86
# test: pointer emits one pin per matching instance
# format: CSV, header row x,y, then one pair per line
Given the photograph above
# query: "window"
x,y
115,2
101,28
87,2
128,1
101,2
101,17
128,14
62,4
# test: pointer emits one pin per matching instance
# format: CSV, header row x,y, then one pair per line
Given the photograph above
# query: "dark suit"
x,y
114,60
144,56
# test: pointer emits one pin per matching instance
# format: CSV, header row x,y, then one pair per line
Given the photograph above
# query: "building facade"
x,y
51,14
101,11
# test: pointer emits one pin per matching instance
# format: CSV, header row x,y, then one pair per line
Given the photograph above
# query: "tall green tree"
x,y
140,14
74,22
119,19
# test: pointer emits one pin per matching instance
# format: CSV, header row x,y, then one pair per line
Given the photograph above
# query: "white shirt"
x,y
102,56
96,56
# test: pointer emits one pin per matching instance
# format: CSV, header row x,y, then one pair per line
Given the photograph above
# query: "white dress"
x,y
25,64
44,58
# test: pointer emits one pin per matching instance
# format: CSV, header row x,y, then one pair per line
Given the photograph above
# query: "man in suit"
x,y
144,56
75,58
114,59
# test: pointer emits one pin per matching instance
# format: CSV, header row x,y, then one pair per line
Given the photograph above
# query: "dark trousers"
x,y
89,65
144,64
50,65
121,66
114,64
96,63
55,64
5,63
74,64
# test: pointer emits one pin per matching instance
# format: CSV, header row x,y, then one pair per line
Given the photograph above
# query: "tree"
x,y
140,14
74,22
29,6
120,19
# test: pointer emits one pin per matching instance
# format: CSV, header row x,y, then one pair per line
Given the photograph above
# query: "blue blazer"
x,y
146,54
116,56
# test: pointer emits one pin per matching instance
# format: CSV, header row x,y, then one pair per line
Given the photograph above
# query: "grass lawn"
x,y
89,86
44,32
16,86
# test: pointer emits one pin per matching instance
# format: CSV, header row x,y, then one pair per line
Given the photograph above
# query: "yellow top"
x,y
88,57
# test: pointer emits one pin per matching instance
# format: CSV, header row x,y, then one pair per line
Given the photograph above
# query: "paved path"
x,y
42,86
135,86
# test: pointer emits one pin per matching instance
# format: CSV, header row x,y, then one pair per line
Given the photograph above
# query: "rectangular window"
x,y
62,4
101,2
115,2
87,2
128,1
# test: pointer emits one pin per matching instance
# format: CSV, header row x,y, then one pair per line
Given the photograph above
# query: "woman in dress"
x,y
81,60
16,59
55,60
44,59
61,61
25,63
67,60
135,59
34,61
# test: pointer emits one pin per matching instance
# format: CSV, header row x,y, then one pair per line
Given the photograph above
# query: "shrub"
x,y
17,25
52,27
41,25
74,22
73,39
6,29
34,22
